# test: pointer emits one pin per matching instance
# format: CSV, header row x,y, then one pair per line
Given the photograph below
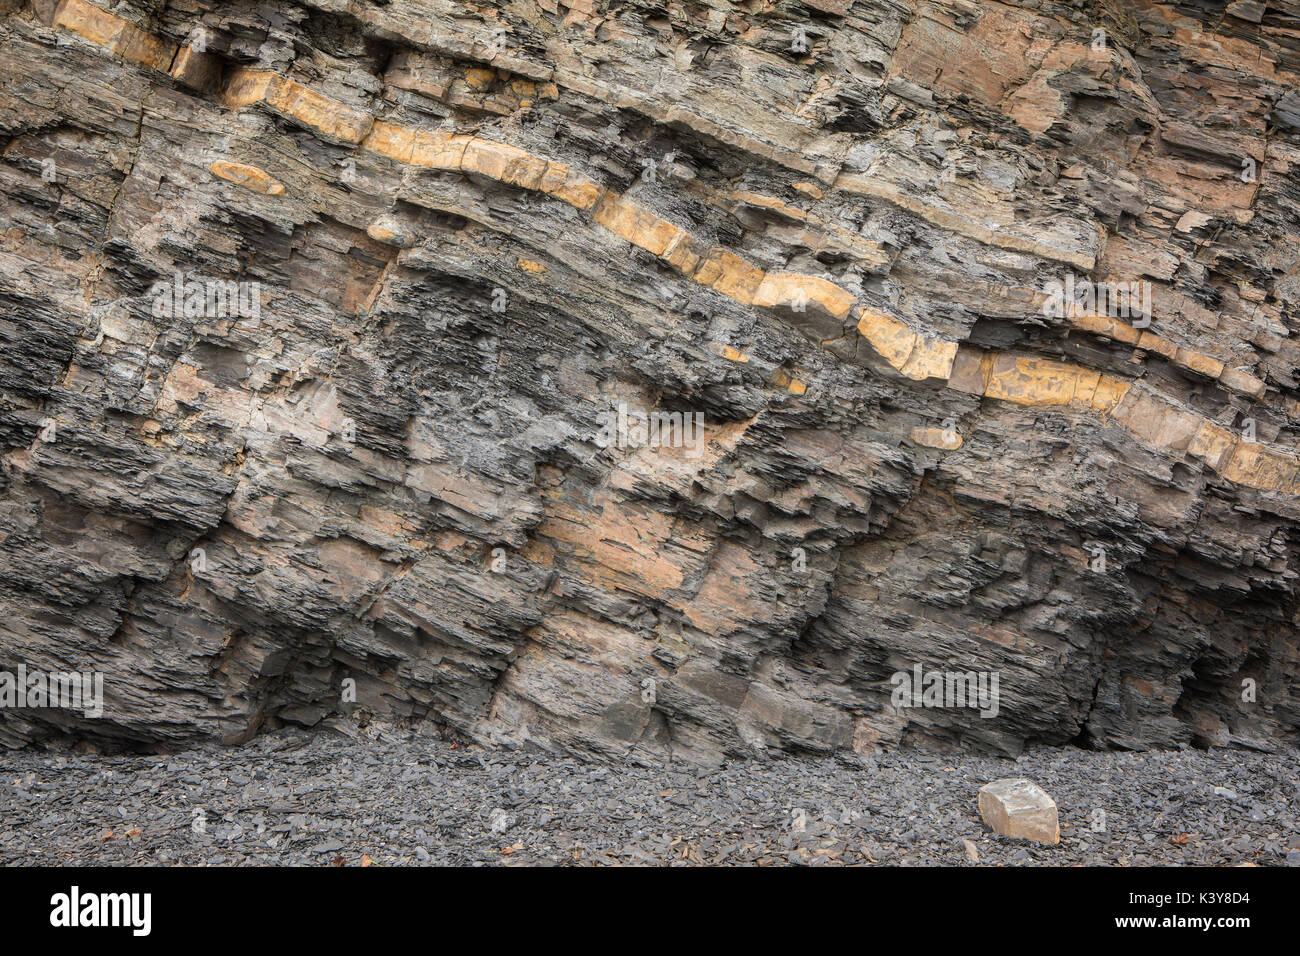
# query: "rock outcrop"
x,y
642,379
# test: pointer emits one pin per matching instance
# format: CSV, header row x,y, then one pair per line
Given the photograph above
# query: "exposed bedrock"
x,y
644,379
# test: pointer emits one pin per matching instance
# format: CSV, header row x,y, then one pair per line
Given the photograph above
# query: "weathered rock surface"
x,y
1020,809
370,478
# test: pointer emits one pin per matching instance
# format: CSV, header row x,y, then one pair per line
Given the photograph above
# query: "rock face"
x,y
1020,809
631,379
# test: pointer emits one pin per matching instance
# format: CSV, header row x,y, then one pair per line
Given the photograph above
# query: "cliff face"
x,y
328,328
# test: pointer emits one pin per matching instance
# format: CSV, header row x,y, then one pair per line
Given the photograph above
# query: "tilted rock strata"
x,y
909,352
389,472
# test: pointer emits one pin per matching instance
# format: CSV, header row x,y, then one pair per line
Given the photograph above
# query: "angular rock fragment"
x,y
1252,11
1019,808
1287,111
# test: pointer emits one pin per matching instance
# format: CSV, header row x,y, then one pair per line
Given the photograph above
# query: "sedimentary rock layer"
x,y
314,324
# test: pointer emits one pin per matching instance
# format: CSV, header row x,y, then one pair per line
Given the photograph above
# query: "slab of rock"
x,y
1021,809
1251,11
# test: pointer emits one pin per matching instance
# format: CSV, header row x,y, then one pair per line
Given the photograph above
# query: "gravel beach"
x,y
390,798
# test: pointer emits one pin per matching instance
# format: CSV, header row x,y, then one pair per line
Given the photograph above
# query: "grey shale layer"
x,y
644,379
